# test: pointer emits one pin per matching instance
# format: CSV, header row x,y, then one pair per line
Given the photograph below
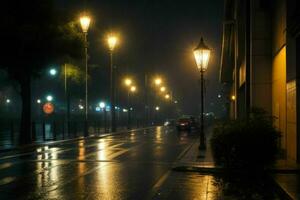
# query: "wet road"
x,y
132,165
127,166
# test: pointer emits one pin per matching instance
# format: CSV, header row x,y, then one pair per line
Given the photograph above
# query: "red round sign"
x,y
48,108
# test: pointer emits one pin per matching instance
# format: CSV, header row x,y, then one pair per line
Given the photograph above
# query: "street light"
x,y
157,81
163,89
167,96
52,71
157,108
202,54
49,98
102,106
128,82
112,42
233,97
8,101
38,101
85,23
133,89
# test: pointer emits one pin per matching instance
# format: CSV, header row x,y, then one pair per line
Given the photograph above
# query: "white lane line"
x,y
7,180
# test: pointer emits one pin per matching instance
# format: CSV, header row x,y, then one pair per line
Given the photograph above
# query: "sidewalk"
x,y
195,160
285,175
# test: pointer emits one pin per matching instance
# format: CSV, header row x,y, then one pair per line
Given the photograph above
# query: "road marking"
x,y
7,180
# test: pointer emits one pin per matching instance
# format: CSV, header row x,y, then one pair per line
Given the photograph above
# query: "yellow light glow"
x,y
85,23
167,96
233,97
128,81
163,89
112,42
202,54
133,88
157,81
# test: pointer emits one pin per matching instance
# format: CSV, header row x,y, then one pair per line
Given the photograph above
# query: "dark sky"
x,y
157,36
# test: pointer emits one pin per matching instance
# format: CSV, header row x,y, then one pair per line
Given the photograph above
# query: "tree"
x,y
33,35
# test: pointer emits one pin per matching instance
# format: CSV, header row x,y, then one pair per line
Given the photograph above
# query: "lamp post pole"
x,y
112,93
129,110
202,54
112,41
85,22
86,85
202,136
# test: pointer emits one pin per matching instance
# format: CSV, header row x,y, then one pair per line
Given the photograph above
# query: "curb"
x,y
34,145
206,170
279,190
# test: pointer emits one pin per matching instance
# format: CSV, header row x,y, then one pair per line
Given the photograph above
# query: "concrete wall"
x,y
261,62
291,130
279,94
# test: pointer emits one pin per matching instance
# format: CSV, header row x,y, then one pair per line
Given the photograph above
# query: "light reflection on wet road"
x,y
125,166
133,165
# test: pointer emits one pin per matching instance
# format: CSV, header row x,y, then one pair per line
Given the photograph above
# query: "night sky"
x,y
157,36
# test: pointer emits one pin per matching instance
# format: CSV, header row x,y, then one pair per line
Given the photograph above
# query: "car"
x,y
187,123
183,124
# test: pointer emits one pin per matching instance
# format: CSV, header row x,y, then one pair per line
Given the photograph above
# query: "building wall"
x,y
274,66
291,130
279,94
261,62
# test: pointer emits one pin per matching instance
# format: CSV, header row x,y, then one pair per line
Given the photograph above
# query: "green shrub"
x,y
249,143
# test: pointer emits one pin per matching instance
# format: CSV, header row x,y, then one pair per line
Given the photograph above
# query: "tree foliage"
x,y
33,35
248,143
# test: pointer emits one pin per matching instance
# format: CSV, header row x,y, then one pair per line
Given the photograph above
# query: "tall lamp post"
x,y
202,54
130,109
112,41
85,23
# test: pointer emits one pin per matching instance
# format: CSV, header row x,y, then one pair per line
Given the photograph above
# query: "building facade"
x,y
260,63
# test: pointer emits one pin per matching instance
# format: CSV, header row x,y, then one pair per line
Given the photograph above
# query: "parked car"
x,y
186,123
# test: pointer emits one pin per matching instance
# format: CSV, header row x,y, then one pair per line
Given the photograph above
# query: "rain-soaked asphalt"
x,y
134,165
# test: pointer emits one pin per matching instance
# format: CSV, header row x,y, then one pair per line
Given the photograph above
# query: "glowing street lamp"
x,y
49,98
202,54
38,101
167,96
163,89
157,81
85,23
128,82
8,101
233,97
81,107
112,41
102,105
53,72
133,89
157,108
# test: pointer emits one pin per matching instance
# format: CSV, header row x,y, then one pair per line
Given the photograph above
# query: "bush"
x,y
245,144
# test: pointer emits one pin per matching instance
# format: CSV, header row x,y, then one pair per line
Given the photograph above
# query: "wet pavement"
x,y
131,165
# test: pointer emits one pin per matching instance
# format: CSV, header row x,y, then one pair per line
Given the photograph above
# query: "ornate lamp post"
x,y
85,23
112,41
202,54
